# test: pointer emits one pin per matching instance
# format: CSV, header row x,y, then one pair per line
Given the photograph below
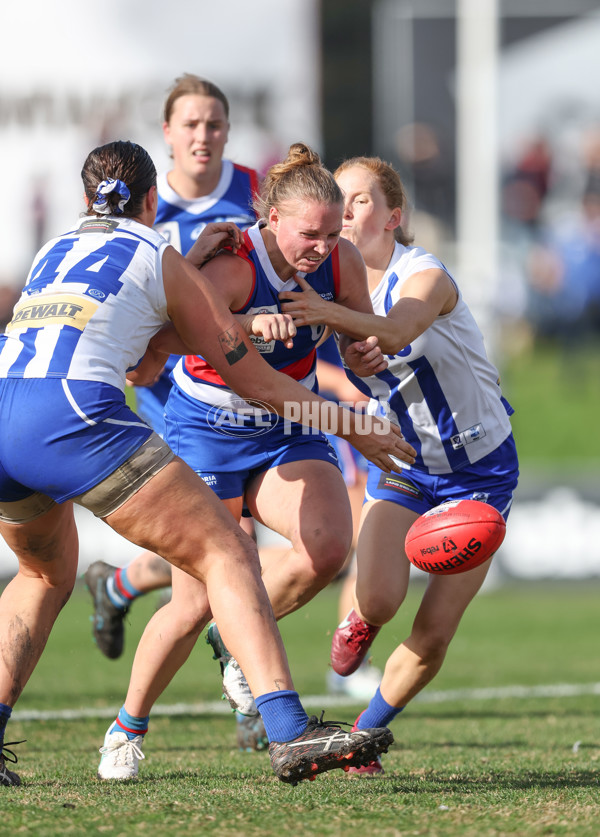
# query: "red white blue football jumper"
x,y
181,221
210,426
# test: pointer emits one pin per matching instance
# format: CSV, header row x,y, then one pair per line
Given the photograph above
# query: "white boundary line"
x,y
322,701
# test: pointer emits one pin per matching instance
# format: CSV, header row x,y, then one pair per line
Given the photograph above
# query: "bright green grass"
x,y
556,395
467,767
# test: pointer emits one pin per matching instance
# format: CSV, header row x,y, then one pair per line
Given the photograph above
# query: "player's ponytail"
x,y
301,176
116,178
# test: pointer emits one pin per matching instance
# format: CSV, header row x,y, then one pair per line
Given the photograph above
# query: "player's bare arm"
x,y
425,296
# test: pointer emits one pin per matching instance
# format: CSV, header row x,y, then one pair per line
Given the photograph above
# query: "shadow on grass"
x,y
434,782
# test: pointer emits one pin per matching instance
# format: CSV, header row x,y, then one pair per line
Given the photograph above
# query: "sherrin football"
x,y
455,537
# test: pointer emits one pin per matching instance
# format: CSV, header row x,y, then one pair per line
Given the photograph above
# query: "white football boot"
x,y
235,686
120,756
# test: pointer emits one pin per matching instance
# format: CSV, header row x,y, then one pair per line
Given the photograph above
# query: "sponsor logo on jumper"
x,y
468,436
55,310
98,225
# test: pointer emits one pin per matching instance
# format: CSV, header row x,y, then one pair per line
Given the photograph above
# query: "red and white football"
x,y
455,537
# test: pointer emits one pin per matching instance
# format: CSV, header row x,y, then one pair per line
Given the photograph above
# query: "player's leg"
x,y
177,515
355,478
164,647
148,572
247,526
213,538
381,556
170,635
114,589
347,597
356,494
381,582
207,543
419,658
47,550
305,501
362,682
167,642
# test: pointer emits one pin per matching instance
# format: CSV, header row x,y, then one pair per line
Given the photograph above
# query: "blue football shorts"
x,y
150,401
228,451
492,480
62,437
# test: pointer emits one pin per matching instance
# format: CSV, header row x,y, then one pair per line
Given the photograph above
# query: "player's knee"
x,y
236,552
56,582
326,552
377,608
186,618
311,573
379,602
54,569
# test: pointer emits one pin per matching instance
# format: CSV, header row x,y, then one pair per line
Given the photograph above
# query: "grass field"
x,y
512,760
555,392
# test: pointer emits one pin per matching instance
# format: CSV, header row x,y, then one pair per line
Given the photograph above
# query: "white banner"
x,y
75,75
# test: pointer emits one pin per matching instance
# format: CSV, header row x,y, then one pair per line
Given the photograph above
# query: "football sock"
x,y
378,713
130,724
5,712
283,715
120,590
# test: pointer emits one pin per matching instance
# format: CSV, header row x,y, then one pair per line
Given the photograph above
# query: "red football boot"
x,y
351,640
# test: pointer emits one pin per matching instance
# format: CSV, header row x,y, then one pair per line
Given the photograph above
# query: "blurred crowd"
x,y
548,285
551,239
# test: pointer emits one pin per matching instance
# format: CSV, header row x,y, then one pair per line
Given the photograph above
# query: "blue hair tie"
x,y
107,186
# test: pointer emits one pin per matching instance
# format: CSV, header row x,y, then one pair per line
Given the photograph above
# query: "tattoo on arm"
x,y
233,345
